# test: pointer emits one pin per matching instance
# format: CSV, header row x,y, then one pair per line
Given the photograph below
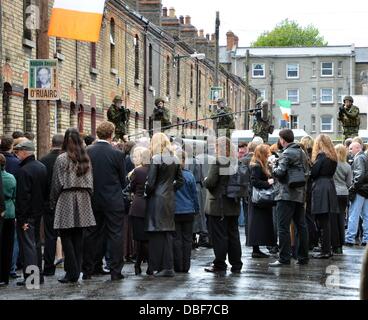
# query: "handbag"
x,y
296,175
263,197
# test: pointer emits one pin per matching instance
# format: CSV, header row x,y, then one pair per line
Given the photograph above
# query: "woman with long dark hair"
x,y
324,198
72,187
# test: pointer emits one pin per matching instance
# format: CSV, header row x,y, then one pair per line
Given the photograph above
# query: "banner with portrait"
x,y
43,80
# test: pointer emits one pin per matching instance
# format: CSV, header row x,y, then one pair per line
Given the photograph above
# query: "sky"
x,y
339,22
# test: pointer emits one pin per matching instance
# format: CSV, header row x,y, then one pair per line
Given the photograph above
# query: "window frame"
x,y
331,123
287,71
321,96
264,71
287,96
332,70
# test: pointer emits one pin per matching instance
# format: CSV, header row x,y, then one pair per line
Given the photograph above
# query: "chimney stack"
x,y
230,37
201,33
164,12
236,42
172,13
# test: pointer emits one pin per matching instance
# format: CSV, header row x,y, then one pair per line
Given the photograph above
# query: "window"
x,y
81,118
339,69
27,11
313,126
293,96
314,95
136,121
178,77
262,93
294,121
292,71
72,116
340,95
168,68
58,45
191,81
93,122
112,44
326,69
327,96
59,107
326,124
27,113
136,57
93,56
314,69
199,87
150,61
258,70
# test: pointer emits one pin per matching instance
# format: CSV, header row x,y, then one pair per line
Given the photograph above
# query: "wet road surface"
x,y
337,278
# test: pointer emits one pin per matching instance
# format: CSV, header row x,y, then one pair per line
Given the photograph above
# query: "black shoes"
x,y
137,270
165,274
322,256
347,244
67,280
117,277
101,272
364,244
302,262
149,272
216,271
259,255
14,276
49,273
86,277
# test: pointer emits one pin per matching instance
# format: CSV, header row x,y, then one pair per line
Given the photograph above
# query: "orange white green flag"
x,y
285,106
77,19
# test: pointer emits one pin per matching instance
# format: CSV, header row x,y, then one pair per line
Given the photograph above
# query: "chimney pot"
x,y
181,20
213,37
208,36
230,37
201,33
164,11
188,20
172,12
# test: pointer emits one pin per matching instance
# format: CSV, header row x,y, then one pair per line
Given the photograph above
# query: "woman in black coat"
x,y
164,178
138,207
260,219
324,198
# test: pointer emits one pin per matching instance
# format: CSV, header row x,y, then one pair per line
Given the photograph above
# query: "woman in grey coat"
x,y
343,181
72,187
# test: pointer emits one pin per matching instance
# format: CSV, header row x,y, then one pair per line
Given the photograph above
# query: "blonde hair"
x,y
307,142
341,152
323,144
260,157
160,144
141,156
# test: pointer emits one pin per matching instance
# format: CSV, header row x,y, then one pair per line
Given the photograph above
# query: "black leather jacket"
x,y
360,175
291,156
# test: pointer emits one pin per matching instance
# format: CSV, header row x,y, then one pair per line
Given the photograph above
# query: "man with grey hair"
x,y
358,195
48,218
29,208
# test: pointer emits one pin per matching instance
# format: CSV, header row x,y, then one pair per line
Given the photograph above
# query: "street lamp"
x,y
199,56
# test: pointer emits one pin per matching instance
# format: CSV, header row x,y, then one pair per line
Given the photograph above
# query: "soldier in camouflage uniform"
x,y
227,120
119,116
349,118
161,113
261,126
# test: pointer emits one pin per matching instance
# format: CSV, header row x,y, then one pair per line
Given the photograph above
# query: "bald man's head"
x,y
355,148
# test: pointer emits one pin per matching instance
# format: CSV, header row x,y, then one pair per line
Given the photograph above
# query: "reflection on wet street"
x,y
337,278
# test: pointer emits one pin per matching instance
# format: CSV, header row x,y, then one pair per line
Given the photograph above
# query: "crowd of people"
x,y
154,200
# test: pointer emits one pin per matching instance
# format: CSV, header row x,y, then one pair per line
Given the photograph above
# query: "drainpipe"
x,y
145,85
1,47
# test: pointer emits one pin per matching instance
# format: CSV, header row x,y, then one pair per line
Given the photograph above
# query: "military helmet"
x,y
117,98
349,98
259,100
220,100
158,100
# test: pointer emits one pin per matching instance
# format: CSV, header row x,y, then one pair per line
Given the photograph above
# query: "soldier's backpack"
x,y
237,186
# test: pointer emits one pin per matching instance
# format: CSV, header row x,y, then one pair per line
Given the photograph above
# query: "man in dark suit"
x,y
29,208
48,218
109,178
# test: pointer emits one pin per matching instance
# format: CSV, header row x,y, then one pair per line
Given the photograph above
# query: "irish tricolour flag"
x,y
77,19
285,106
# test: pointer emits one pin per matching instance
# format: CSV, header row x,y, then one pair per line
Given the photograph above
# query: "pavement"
x,y
334,279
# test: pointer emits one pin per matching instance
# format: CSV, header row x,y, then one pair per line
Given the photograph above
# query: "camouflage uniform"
x,y
225,122
161,114
120,118
261,127
350,119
